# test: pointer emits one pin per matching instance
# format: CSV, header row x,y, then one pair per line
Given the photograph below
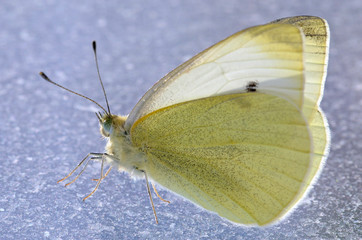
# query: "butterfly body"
x,y
125,156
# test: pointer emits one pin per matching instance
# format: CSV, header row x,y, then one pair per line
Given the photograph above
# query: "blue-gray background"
x,y
45,131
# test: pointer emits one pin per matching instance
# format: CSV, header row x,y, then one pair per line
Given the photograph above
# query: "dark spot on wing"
x,y
252,86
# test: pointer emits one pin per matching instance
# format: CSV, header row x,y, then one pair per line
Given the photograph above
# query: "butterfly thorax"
x,y
124,155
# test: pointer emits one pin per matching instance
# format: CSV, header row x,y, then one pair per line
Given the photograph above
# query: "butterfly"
x,y
237,129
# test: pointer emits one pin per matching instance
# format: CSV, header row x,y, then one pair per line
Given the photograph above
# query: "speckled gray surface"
x,y
46,131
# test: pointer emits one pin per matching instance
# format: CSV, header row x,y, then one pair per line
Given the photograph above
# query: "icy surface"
x,y
45,132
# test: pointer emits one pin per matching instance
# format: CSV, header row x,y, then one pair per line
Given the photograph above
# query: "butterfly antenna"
x,y
45,77
99,75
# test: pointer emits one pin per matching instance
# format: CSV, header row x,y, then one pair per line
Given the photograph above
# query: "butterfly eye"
x,y
106,126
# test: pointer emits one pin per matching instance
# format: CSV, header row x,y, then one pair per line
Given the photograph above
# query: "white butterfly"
x,y
237,129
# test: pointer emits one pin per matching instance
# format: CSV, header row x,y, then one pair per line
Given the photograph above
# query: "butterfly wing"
x,y
286,58
316,48
271,55
245,156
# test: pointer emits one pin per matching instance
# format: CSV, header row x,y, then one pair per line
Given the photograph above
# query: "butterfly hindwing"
x,y
244,156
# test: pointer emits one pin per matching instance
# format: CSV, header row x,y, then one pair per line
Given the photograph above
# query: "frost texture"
x,y
45,132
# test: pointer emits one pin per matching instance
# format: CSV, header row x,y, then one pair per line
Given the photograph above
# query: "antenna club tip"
x,y
94,44
42,74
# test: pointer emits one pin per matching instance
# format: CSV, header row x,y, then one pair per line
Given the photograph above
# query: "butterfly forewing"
x,y
271,55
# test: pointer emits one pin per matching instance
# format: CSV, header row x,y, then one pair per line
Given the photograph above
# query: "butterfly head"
x,y
111,124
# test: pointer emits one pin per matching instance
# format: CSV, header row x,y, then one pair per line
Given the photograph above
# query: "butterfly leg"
x,y
158,195
150,195
99,156
79,164
105,155
105,175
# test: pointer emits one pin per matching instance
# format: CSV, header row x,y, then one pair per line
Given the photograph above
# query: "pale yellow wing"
x,y
319,130
244,156
271,55
316,49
